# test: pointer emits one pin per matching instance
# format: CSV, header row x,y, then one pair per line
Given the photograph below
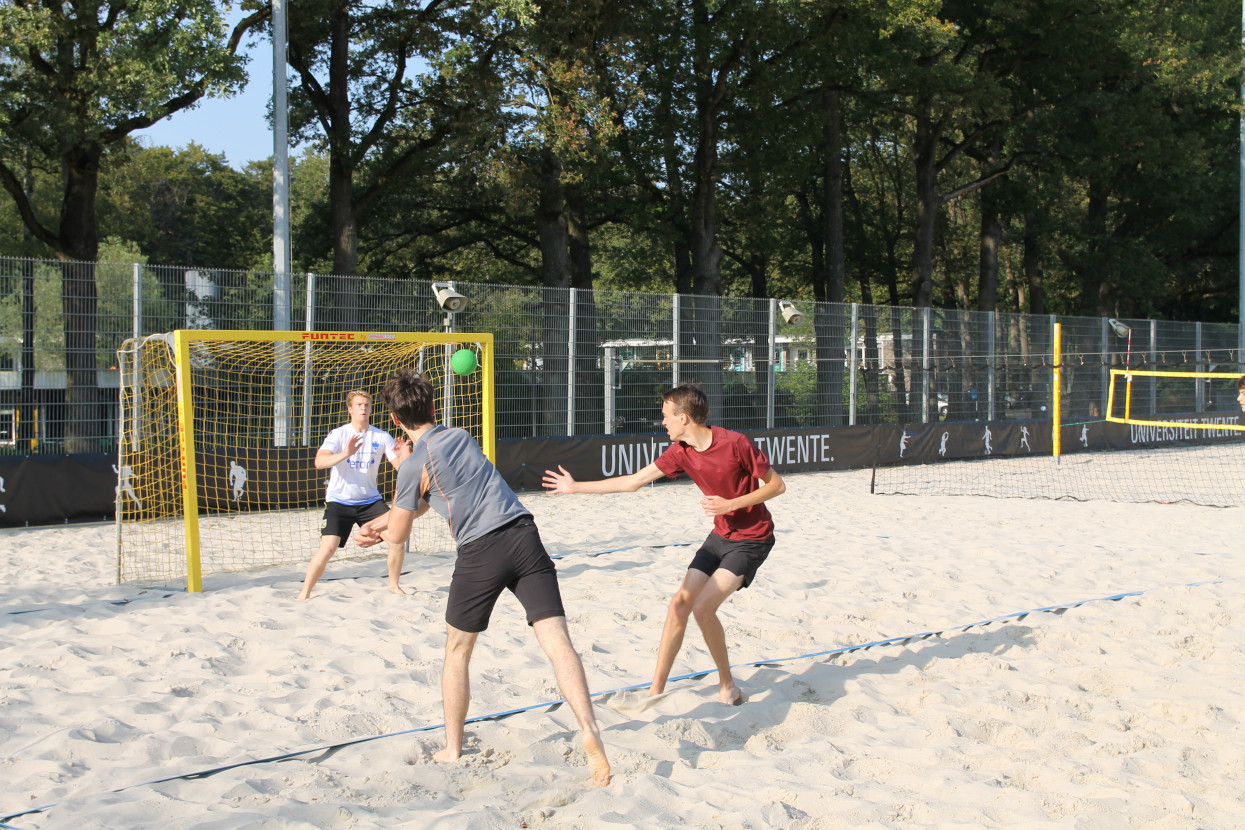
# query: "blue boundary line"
x,y
327,750
125,601
627,547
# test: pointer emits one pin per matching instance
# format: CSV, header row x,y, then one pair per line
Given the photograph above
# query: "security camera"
x,y
1119,328
449,299
790,314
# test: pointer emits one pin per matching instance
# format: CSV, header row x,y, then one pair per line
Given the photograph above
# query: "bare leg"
x,y
721,585
396,554
569,672
676,623
315,569
455,690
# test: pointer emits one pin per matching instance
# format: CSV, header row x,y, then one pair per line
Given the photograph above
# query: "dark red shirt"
x,y
730,468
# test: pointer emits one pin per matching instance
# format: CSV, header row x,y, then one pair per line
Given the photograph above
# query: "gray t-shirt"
x,y
463,486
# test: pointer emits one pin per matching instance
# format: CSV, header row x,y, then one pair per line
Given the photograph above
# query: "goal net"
x,y
219,430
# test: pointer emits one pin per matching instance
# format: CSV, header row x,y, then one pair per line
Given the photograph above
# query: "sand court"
x,y
1119,706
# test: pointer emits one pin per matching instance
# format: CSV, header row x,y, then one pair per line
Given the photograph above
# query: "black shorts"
x,y
339,519
741,557
512,556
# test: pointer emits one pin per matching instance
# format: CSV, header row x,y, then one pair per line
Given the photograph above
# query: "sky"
x,y
236,126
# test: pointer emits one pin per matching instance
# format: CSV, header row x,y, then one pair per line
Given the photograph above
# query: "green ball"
x,y
463,362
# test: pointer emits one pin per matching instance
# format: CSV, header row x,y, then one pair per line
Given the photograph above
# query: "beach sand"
x,y
242,707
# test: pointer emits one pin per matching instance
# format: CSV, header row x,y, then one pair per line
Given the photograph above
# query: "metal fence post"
x,y
570,364
609,390
1104,372
1199,384
677,351
927,338
1154,382
773,361
991,370
1054,374
853,366
138,300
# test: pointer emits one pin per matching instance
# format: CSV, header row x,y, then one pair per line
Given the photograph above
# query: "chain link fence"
x,y
591,362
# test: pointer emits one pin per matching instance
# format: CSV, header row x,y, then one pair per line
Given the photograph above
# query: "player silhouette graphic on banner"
x,y
237,479
124,476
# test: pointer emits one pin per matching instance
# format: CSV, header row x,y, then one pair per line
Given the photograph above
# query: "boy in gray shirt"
x,y
499,548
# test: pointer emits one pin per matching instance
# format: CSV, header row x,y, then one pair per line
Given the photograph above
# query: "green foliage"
x,y
474,132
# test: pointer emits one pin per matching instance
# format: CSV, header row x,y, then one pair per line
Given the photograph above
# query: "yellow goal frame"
x,y
1129,374
184,340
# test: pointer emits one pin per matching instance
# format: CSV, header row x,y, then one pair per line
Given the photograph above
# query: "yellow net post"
x,y
1057,356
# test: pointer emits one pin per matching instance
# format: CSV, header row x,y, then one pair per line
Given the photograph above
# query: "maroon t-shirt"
x,y
730,468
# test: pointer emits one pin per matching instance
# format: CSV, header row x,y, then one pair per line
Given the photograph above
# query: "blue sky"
x,y
235,126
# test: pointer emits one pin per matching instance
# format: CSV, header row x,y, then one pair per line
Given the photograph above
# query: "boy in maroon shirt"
x,y
726,466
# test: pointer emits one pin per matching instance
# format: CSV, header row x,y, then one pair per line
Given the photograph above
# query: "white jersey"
x,y
353,480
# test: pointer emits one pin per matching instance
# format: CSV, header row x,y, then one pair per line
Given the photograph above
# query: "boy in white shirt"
x,y
353,453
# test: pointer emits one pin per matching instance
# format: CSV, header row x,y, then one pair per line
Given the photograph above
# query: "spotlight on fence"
x,y
1119,328
449,299
790,314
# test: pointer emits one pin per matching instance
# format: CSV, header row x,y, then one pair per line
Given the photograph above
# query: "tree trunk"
x,y
1095,289
1033,267
555,275
343,284
830,327
79,298
991,238
589,388
925,151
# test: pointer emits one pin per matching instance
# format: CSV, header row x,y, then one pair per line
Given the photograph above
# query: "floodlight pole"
x,y
280,229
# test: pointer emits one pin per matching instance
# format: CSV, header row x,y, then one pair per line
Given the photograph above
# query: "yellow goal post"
x,y
218,433
1180,392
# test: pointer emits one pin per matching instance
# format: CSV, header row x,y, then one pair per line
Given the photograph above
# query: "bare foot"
x,y
447,755
598,764
731,695
398,589
304,597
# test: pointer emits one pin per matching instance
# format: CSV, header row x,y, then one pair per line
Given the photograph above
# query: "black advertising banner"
x,y
51,489
64,488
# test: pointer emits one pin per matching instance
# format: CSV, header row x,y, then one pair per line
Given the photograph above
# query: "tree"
x,y
360,101
75,80
185,207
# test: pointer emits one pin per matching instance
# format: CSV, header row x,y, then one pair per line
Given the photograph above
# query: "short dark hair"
x,y
410,398
689,399
1240,383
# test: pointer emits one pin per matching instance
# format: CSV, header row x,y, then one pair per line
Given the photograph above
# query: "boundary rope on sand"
x,y
325,751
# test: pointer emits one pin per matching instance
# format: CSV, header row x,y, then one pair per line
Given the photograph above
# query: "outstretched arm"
x,y
562,481
393,526
771,486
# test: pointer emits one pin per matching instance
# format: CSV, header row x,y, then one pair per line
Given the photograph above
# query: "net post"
x,y
186,446
1057,392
